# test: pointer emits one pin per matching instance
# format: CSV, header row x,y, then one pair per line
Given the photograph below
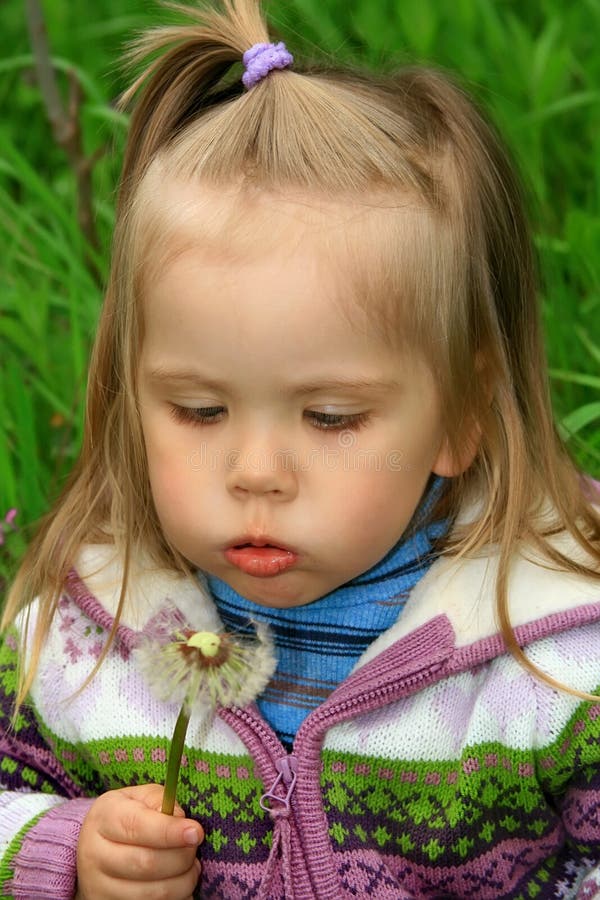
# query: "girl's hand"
x,y
128,849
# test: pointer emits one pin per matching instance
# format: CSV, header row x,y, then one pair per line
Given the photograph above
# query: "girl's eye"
x,y
337,421
208,415
203,415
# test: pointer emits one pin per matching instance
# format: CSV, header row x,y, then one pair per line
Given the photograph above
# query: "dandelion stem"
x,y
174,761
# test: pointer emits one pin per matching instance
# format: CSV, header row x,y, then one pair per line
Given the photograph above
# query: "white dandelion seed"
x,y
202,671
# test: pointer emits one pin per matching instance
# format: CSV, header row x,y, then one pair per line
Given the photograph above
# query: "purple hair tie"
x,y
261,59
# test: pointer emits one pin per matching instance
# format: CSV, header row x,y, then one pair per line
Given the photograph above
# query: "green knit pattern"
x,y
24,721
417,809
443,813
430,814
222,789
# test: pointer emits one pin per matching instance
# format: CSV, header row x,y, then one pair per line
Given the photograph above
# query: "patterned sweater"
x,y
439,768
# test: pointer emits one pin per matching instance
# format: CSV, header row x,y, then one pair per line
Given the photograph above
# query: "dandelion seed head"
x,y
207,642
206,670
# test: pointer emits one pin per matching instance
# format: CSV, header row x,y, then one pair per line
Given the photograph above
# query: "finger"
x,y
151,795
145,863
179,888
132,822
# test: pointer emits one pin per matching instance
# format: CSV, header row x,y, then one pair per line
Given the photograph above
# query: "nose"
x,y
258,470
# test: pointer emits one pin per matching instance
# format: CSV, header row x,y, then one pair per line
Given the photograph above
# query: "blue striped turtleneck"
x,y
318,644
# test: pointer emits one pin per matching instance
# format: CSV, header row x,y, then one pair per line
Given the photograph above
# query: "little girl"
x,y
317,400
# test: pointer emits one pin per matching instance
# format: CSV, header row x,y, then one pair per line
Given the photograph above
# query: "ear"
x,y
447,464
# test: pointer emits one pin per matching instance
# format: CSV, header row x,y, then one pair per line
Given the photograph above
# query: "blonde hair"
x,y
472,291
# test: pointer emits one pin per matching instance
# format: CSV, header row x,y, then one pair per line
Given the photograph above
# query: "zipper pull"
x,y
287,767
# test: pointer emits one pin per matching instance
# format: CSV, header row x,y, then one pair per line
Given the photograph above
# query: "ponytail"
x,y
188,78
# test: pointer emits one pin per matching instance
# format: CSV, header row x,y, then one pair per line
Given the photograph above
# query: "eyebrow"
x,y
191,378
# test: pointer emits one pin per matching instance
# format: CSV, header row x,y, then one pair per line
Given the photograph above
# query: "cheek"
x,y
172,475
373,499
168,482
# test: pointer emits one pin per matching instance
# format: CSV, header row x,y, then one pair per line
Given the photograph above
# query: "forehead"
x,y
238,220
369,252
266,307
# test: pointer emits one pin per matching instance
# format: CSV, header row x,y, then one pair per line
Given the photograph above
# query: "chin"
x,y
278,603
271,592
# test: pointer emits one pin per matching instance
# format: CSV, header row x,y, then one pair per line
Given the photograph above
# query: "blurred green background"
x,y
535,66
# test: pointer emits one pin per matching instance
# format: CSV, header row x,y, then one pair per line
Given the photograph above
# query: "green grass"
x,y
534,66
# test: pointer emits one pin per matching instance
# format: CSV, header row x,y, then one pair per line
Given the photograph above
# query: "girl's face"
x,y
271,417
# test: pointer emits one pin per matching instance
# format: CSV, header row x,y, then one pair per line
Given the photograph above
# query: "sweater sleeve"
x,y
41,809
580,808
568,754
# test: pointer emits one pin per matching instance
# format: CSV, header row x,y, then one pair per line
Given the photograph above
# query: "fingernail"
x,y
190,836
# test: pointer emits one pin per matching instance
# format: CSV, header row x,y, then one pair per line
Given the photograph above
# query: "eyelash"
x,y
338,421
189,415
208,415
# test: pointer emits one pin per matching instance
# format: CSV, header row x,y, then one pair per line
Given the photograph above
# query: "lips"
x,y
261,557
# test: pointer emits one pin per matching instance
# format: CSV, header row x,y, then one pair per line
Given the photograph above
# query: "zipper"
x,y
287,767
322,872
267,737
284,767
387,693
268,752
271,759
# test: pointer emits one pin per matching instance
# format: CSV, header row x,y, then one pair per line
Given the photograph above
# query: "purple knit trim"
x,y
45,868
126,638
491,647
261,59
258,736
416,656
265,748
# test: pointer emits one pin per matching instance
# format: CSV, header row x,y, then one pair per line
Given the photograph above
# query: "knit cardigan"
x,y
440,768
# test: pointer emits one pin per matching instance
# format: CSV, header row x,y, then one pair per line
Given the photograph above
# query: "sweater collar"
x,y
461,590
